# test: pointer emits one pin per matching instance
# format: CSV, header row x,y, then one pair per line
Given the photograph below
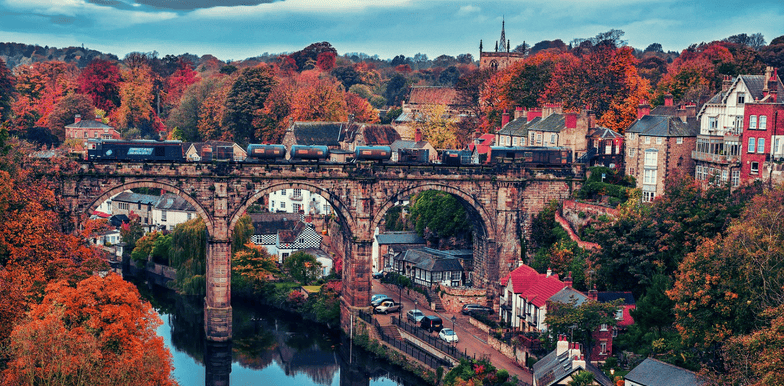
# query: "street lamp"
x,y
453,327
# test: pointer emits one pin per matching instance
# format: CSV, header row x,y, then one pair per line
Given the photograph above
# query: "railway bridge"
x,y
500,200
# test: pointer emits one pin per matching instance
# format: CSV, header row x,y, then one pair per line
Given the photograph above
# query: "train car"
x,y
531,156
304,152
372,153
134,150
414,156
456,157
266,152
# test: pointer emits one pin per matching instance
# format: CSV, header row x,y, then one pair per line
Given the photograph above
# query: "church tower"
x,y
502,47
503,56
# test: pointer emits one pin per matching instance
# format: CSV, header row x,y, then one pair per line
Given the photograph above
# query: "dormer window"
x,y
741,98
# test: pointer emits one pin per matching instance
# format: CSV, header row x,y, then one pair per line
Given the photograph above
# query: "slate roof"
x,y
289,236
399,238
403,144
119,219
434,259
652,372
603,297
554,123
534,286
428,95
754,83
88,124
604,133
567,294
665,126
553,368
136,198
270,223
171,201
323,133
518,127
378,135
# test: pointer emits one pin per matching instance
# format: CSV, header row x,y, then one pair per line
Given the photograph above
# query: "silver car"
x,y
387,306
414,316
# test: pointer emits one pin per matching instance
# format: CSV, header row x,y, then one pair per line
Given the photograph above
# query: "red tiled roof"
x,y
534,286
101,214
483,143
432,95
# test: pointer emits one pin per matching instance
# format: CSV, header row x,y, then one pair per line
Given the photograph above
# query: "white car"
x,y
414,316
448,335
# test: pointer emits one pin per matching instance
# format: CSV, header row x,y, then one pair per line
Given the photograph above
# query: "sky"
x,y
239,29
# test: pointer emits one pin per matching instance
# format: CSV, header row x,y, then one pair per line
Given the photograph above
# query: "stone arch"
x,y
340,208
152,184
487,225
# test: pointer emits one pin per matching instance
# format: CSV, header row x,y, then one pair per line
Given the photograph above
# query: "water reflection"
x,y
269,347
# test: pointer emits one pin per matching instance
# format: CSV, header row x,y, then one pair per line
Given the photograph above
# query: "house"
x,y
605,148
653,372
171,210
720,152
413,151
480,147
524,297
515,133
214,150
298,201
762,141
85,129
604,335
388,242
140,204
323,258
421,99
557,128
560,365
658,143
283,233
430,267
303,236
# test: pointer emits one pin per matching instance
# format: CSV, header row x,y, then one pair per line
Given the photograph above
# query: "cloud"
x,y
198,4
300,6
106,13
467,10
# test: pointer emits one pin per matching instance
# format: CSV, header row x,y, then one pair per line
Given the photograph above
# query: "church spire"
x,y
503,46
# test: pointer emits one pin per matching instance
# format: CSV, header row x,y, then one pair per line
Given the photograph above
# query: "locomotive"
x,y
135,150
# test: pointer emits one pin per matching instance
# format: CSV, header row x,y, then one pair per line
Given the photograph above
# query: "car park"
x,y
414,316
431,323
448,335
476,308
387,306
376,299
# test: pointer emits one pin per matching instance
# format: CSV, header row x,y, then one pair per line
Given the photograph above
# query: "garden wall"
x,y
453,298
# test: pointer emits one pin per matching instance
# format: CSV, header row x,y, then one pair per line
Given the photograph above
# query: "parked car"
x,y
376,299
387,306
476,308
414,315
431,323
378,275
448,335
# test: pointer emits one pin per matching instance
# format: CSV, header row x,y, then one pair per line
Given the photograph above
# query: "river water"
x,y
269,347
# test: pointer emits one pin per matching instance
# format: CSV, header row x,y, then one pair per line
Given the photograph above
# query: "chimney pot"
x,y
77,118
668,100
571,120
504,118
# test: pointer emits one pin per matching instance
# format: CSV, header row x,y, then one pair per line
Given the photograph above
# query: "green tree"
x,y
188,254
65,109
302,267
131,231
144,248
582,378
243,230
581,319
245,102
438,215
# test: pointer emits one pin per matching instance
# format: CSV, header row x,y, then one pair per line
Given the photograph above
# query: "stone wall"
x,y
479,325
518,355
453,298
394,292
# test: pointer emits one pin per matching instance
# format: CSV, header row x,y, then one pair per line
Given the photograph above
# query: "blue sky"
x,y
238,29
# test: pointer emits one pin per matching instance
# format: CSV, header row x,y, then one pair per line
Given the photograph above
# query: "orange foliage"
x,y
40,85
361,108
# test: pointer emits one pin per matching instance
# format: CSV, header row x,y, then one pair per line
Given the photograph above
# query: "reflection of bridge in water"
x,y
500,201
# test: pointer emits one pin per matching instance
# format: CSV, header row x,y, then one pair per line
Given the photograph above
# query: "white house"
x,y
525,295
283,233
171,210
298,201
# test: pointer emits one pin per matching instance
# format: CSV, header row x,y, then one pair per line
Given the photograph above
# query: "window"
x,y
679,140
739,121
753,122
272,204
761,145
713,123
631,152
735,177
539,139
283,204
619,314
297,208
651,158
698,173
552,138
763,122
297,192
658,140
754,167
741,98
189,216
647,140
603,328
608,148
86,134
163,215
649,177
603,347
751,145
724,174
615,332
514,141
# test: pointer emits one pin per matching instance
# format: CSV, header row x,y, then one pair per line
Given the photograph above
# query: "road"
x,y
473,341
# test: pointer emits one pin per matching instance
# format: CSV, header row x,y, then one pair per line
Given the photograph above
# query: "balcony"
x,y
715,158
295,198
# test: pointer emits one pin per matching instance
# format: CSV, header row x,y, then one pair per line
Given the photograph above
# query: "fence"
x,y
436,342
411,350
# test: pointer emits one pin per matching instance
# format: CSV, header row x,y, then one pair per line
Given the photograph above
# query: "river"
x,y
269,347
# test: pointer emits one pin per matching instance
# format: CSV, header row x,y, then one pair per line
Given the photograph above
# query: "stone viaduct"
x,y
500,200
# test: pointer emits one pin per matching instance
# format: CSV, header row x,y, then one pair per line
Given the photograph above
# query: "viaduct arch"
x,y
500,199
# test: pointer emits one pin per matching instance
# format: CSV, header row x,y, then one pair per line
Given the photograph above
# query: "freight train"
x,y
173,151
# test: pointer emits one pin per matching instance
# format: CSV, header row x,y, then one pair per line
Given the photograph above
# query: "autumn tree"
x,y
101,81
437,127
251,268
39,86
179,81
135,117
98,332
360,108
307,58
302,267
6,91
245,101
66,109
581,319
756,359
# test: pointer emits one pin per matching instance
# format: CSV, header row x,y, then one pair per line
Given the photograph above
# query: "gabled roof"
x,y
568,294
652,372
427,95
390,238
554,368
603,297
198,146
536,287
88,124
378,135
435,260
755,84
136,198
323,133
665,126
553,123
171,201
604,133
483,143
518,127
289,236
270,223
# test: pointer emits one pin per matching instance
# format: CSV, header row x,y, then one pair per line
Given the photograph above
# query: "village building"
x,y
653,372
430,267
515,133
214,150
90,129
560,365
556,128
170,210
128,202
763,139
659,143
524,297
605,148
283,234
388,244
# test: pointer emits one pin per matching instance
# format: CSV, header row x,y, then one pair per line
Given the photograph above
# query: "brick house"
x,y
658,143
559,366
87,129
719,151
763,138
604,335
557,128
605,148
515,133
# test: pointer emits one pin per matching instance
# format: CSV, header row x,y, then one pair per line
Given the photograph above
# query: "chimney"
x,y
591,118
773,86
568,280
519,112
418,135
571,120
593,294
578,362
726,83
562,346
691,110
668,99
549,272
533,113
643,109
97,118
504,119
77,118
